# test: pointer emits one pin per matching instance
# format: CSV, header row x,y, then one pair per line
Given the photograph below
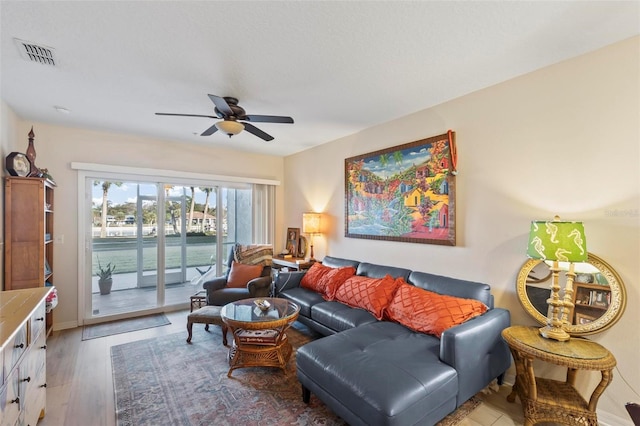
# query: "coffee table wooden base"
x,y
241,356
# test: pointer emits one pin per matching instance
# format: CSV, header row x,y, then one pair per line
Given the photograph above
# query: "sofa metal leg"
x,y
306,395
501,378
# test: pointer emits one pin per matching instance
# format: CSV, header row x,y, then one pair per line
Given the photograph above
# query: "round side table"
x,y
547,400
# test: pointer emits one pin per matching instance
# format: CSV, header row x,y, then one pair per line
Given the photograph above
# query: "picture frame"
x,y
582,319
292,241
404,193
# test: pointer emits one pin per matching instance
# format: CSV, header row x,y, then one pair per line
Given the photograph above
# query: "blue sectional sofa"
x,y
379,372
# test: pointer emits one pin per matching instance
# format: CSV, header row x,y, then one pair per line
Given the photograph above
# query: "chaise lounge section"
x,y
377,371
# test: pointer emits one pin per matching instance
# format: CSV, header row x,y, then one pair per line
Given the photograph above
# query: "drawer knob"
x,y
16,401
28,379
43,347
43,386
20,346
40,319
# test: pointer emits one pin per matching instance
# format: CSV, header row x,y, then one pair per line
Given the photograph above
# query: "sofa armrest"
x,y
288,280
259,287
215,284
477,351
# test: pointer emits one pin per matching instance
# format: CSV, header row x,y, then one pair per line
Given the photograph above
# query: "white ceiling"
x,y
335,67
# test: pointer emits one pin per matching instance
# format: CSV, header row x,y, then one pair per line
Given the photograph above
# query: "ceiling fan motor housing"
x,y
238,112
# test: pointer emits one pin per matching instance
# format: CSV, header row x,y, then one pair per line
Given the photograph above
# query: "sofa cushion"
x,y
372,294
304,298
452,286
240,274
380,373
339,262
373,270
338,316
430,312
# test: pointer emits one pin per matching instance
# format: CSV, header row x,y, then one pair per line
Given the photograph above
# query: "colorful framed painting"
x,y
405,193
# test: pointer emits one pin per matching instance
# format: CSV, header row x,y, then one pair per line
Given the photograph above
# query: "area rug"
x,y
165,381
123,326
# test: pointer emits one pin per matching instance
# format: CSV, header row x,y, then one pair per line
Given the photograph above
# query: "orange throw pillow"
x,y
333,279
430,312
312,279
240,274
368,293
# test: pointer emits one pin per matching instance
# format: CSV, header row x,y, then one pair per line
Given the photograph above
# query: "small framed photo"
x,y
582,319
293,239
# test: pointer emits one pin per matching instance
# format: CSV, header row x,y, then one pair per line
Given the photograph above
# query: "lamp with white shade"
x,y
311,224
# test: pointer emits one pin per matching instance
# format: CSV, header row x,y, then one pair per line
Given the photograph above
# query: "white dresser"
x,y
23,356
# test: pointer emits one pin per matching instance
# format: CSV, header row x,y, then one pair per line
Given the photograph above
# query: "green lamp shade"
x,y
557,240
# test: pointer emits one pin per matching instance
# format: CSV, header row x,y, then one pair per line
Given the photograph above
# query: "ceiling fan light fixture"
x,y
230,127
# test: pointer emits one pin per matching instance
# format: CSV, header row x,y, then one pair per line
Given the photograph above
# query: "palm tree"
x,y
105,192
191,207
207,191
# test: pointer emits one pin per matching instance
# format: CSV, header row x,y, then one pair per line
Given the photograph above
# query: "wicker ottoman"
x,y
206,315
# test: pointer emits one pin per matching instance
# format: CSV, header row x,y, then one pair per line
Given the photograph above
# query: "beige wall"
x,y
57,147
562,140
8,132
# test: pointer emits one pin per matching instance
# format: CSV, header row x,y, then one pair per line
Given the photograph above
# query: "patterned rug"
x,y
123,326
165,381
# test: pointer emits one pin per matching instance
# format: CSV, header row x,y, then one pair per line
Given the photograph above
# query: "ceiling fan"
x,y
234,118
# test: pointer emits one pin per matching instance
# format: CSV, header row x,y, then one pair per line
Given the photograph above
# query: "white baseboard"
x,y
65,325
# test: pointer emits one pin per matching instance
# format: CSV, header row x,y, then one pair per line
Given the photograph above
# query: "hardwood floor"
x,y
80,382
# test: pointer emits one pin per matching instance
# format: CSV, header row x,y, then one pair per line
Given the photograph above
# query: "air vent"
x,y
35,53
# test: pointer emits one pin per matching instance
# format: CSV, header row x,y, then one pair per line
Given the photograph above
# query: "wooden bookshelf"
x,y
28,234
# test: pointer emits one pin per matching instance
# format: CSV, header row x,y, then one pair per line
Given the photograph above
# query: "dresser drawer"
x,y
9,402
37,322
15,348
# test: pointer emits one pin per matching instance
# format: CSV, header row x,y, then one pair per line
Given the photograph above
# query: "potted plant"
x,y
105,281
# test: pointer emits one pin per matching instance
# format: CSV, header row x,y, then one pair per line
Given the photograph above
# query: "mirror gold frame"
x,y
609,317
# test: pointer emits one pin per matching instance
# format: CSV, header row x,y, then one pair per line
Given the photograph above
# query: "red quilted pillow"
x,y
312,279
241,274
368,293
429,312
334,279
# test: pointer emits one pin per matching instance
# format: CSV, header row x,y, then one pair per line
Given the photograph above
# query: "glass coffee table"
x,y
259,338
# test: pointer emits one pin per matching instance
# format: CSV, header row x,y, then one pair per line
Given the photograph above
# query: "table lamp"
x,y
311,226
558,241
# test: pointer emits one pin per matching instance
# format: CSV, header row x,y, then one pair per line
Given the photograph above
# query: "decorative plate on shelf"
x,y
17,164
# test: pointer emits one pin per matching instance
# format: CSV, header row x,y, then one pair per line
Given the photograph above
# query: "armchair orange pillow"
x,y
240,274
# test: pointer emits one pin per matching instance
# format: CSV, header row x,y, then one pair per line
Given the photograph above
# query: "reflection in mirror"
x,y
598,299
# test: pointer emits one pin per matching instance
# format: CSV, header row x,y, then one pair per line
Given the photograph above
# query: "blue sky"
x,y
128,192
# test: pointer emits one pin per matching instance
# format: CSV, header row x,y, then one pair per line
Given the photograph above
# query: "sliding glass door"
x,y
158,241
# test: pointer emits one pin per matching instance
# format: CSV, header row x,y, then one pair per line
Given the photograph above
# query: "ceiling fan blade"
x,y
186,115
268,119
211,130
222,105
255,131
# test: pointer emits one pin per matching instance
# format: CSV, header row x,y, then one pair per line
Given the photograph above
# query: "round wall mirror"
x,y
599,296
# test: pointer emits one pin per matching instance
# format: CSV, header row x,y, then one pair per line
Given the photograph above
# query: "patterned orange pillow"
x,y
334,279
368,293
429,312
240,274
312,279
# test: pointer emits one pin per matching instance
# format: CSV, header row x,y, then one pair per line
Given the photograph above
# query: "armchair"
x,y
219,292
